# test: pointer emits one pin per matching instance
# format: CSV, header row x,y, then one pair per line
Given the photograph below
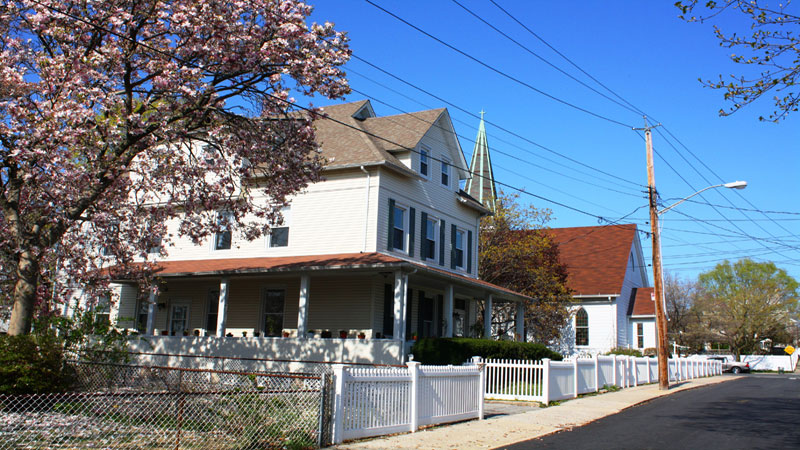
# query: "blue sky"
x,y
645,54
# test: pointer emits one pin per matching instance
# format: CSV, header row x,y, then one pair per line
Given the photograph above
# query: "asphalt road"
x,y
758,411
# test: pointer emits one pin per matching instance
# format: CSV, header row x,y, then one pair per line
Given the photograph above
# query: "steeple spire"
x,y
480,185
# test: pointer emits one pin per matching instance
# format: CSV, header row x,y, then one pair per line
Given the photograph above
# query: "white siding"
x,y
431,197
602,329
649,332
328,218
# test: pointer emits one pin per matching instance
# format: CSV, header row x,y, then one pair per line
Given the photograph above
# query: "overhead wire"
x,y
498,71
511,16
307,109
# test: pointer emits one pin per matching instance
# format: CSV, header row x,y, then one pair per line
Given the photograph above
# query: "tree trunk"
x,y
24,294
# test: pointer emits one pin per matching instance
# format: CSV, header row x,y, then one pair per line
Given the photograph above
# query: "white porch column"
x,y
222,310
519,321
448,311
400,293
151,310
302,306
487,317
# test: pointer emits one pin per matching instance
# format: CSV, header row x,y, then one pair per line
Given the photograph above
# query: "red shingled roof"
x,y
596,257
643,303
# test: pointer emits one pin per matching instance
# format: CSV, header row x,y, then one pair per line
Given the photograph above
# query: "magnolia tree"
x,y
117,116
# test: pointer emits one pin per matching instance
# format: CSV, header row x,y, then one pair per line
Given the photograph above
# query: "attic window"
x,y
445,172
423,162
365,112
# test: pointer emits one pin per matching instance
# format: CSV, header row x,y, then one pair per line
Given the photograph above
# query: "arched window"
x,y
581,327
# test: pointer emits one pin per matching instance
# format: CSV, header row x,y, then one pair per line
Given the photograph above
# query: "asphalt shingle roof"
x,y
596,257
347,146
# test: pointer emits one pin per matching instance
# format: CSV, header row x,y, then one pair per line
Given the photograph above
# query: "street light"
x,y
731,185
661,317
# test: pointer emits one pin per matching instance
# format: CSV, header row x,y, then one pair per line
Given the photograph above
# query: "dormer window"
x,y
445,172
423,162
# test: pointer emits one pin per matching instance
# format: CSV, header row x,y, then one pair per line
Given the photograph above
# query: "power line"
x,y
741,209
566,59
544,60
509,155
494,124
632,106
498,71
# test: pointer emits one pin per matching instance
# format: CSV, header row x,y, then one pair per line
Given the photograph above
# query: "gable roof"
x,y
643,303
354,145
596,257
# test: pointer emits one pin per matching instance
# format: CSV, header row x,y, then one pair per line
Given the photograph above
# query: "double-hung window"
x,y
445,172
272,312
399,228
458,248
142,311
212,312
102,311
222,238
640,335
431,236
279,234
423,161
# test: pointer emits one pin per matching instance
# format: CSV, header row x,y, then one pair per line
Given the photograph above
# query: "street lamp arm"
x,y
731,185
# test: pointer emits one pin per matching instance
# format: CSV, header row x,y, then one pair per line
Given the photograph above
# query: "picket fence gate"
x,y
378,401
545,381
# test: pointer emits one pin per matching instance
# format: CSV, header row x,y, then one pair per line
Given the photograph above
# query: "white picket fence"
x,y
378,401
545,381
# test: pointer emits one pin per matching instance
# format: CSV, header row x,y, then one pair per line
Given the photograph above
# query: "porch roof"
x,y
343,261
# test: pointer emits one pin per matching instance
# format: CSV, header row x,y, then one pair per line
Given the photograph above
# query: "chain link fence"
x,y
151,407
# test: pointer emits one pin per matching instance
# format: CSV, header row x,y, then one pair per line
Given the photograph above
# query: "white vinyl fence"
x,y
373,402
545,381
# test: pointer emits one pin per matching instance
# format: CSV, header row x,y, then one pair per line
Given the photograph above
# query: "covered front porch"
x,y
363,307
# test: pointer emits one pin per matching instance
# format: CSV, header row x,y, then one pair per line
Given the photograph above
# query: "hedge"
x,y
31,364
456,351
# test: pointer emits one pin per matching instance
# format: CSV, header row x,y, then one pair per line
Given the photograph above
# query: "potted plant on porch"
x,y
361,335
343,334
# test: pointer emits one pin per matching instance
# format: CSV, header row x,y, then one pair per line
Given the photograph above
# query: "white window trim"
x,y
262,308
287,219
188,319
445,163
464,256
427,151
406,210
575,328
437,224
214,248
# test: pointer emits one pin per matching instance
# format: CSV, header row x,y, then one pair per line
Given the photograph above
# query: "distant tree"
x,y
119,115
516,252
747,301
683,326
772,44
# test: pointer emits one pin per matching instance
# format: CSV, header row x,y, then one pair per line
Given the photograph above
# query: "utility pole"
x,y
661,316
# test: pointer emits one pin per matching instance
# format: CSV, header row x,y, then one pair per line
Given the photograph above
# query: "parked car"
x,y
729,365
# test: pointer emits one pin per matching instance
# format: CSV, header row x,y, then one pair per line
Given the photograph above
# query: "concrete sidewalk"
x,y
503,430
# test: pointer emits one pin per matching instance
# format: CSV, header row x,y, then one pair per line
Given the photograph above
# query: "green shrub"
x,y
36,363
456,351
33,364
650,351
625,351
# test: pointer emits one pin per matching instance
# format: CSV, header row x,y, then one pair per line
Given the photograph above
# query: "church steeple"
x,y
481,182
